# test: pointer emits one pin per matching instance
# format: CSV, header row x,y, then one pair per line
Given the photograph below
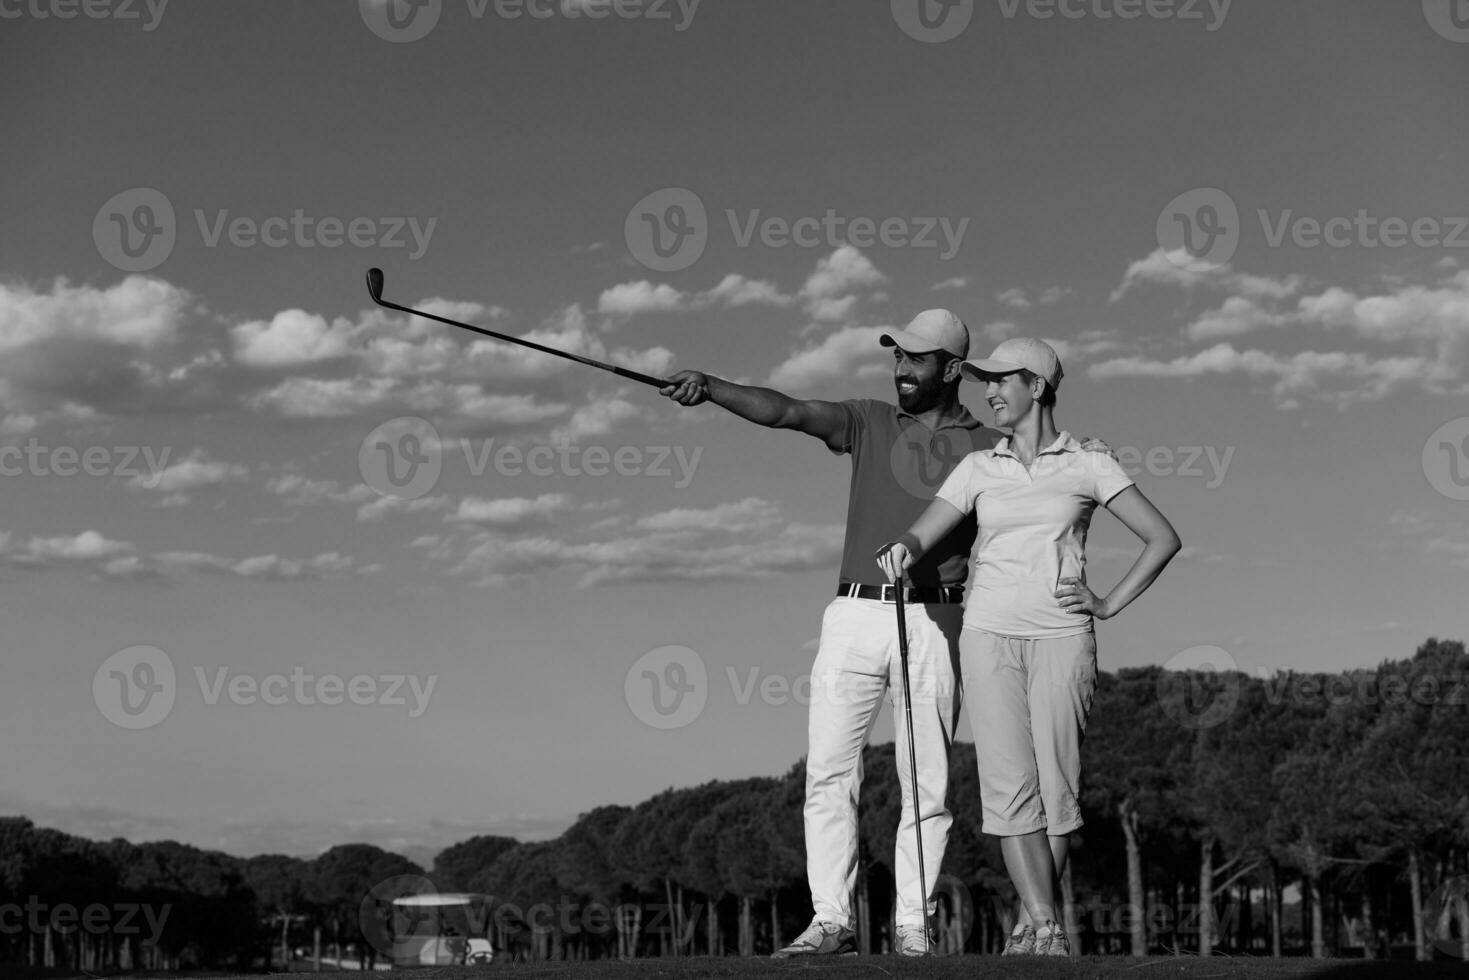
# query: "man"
x,y
900,456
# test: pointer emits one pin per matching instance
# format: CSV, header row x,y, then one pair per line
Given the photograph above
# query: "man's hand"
x,y
687,388
1092,444
894,560
1076,598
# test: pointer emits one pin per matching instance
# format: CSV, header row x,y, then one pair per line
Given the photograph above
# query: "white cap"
x,y
931,330
1018,354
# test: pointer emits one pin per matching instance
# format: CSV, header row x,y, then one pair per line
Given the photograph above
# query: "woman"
x,y
1027,649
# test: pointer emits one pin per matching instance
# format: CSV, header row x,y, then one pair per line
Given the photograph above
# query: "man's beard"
x,y
928,394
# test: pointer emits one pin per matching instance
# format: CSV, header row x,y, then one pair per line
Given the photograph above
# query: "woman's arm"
x,y
1160,544
930,528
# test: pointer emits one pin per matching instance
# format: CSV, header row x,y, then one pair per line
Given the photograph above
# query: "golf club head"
x,y
375,284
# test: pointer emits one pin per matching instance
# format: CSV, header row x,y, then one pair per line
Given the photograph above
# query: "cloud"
x,y
385,507
849,352
1307,372
299,491
1434,317
67,352
631,298
1431,535
746,516
87,546
832,291
510,512
323,398
1179,269
741,540
733,291
121,560
1015,299
195,472
291,338
140,312
598,417
1000,330
1018,299
1084,345
144,347
955,282
1238,315
1429,324
471,401
327,565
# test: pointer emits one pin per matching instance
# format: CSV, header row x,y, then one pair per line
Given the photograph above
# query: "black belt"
x,y
947,595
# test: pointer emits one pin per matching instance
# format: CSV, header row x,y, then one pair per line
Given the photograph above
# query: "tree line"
x,y
1320,814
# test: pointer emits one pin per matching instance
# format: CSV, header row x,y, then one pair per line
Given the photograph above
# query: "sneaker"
x,y
913,942
821,939
1020,943
1053,943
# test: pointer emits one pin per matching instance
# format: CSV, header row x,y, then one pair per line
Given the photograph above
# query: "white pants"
x,y
857,667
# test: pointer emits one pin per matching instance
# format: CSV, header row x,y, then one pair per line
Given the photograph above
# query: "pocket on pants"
x,y
1077,669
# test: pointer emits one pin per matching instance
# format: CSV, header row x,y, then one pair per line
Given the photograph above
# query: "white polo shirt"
x,y
1032,532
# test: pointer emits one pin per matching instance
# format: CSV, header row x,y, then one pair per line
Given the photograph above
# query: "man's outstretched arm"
x,y
763,406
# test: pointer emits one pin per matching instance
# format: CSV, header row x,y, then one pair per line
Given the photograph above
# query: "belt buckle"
x,y
889,590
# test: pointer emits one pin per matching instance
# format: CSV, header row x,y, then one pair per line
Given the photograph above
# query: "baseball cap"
x,y
1018,354
931,330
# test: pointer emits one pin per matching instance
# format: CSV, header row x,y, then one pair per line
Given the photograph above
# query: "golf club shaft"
x,y
374,287
912,754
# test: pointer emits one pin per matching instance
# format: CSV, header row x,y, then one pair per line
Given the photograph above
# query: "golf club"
x,y
375,290
912,754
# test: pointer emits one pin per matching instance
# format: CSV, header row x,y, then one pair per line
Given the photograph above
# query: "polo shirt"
x,y
1032,532
898,463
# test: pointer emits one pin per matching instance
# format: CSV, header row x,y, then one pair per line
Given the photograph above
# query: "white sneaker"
x,y
1021,942
1053,943
914,941
821,939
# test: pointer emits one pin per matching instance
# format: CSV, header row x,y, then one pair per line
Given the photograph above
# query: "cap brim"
x,y
910,342
986,368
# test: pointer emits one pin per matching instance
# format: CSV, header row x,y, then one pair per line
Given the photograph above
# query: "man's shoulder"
x,y
984,439
870,412
869,406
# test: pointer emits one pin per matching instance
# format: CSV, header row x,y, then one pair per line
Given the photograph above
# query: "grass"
x,y
899,968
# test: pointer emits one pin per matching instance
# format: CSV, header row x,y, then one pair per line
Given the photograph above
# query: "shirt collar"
x,y
1063,444
963,419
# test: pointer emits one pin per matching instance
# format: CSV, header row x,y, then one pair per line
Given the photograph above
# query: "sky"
x,y
280,569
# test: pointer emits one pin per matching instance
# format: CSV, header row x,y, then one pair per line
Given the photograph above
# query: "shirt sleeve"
x,y
961,487
1108,477
854,411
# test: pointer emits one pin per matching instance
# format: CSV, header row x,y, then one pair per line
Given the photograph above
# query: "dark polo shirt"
x,y
898,464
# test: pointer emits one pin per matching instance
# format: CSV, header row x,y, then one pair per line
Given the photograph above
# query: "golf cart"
x,y
441,930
